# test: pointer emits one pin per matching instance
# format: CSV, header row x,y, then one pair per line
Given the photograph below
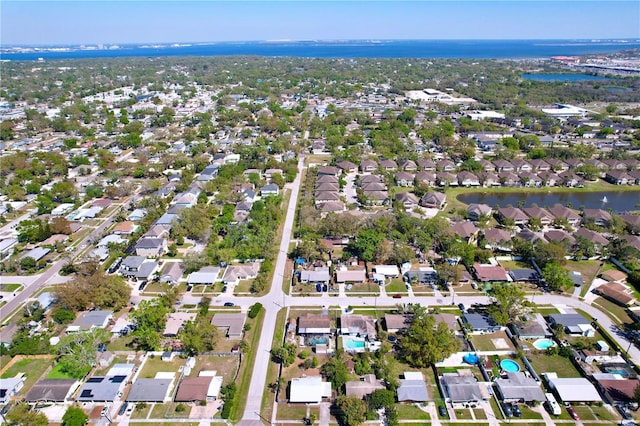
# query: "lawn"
x,y
543,363
292,411
57,373
225,366
480,414
528,413
168,411
120,344
10,287
141,411
32,368
594,413
272,372
154,365
411,412
396,286
588,268
463,414
484,342
616,312
373,289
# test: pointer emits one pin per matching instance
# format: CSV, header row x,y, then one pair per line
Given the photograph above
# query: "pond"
x,y
618,201
571,77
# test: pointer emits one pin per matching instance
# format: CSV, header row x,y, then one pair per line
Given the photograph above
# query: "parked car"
x,y
442,411
123,408
506,409
129,409
397,296
573,413
228,304
516,410
319,288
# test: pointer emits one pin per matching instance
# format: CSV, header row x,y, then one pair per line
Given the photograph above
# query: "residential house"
x,y
368,166
395,323
489,179
465,230
572,389
476,211
536,212
598,217
461,388
314,324
561,212
404,179
357,276
617,293
468,179
363,387
125,228
412,388
433,200
503,166
207,275
424,276
233,323
347,166
310,390
497,239
269,189
518,388
233,274
357,325
426,165
51,390
90,320
175,321
407,200
573,323
317,276
149,390
171,273
480,323
388,165
425,178
9,387
151,247
408,165
514,214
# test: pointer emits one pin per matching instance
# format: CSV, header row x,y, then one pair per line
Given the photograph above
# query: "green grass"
x,y
411,412
396,286
528,413
614,311
156,364
594,413
292,411
57,373
543,363
120,344
373,289
272,373
10,287
32,368
244,377
480,414
463,414
141,413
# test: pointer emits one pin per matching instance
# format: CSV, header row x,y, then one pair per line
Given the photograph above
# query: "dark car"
x,y
442,411
506,408
228,304
397,296
462,307
123,408
319,288
516,410
324,287
573,413
306,421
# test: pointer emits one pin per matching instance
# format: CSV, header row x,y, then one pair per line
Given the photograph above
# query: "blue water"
x,y
543,344
487,49
509,366
562,77
352,343
318,340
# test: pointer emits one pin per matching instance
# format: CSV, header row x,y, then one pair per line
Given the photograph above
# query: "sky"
x,y
27,22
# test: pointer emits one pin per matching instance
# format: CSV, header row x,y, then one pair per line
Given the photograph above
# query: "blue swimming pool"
x,y
543,344
509,366
353,344
318,340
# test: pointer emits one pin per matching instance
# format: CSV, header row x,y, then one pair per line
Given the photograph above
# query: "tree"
x,y
198,336
509,304
381,398
92,288
74,416
367,244
427,342
21,415
336,372
353,410
150,320
77,351
557,277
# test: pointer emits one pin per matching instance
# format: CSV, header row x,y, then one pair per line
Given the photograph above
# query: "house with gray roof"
x,y
51,390
90,320
151,247
101,388
149,390
10,387
462,388
413,388
573,323
516,387
234,323
480,323
206,275
317,276
36,254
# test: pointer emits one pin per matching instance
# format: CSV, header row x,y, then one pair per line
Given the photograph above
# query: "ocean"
x,y
480,49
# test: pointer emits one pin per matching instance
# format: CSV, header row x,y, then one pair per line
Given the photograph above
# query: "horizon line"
x,y
303,40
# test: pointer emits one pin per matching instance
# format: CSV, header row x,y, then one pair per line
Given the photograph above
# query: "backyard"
x,y
32,368
543,363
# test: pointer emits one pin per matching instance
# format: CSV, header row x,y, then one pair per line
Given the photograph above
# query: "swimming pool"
x,y
318,340
509,366
543,344
353,344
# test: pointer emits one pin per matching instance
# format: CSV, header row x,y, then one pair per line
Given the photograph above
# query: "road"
x,y
272,302
36,282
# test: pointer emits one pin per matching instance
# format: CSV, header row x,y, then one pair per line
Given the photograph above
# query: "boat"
x,y
604,199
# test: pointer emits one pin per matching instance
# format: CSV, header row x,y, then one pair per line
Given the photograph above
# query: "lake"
x,y
563,77
618,201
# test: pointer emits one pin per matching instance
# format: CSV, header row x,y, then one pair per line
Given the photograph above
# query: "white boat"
x,y
604,199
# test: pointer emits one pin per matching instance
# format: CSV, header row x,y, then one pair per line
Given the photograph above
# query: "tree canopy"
x,y
508,304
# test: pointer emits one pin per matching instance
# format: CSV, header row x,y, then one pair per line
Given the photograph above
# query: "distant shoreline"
x,y
422,49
